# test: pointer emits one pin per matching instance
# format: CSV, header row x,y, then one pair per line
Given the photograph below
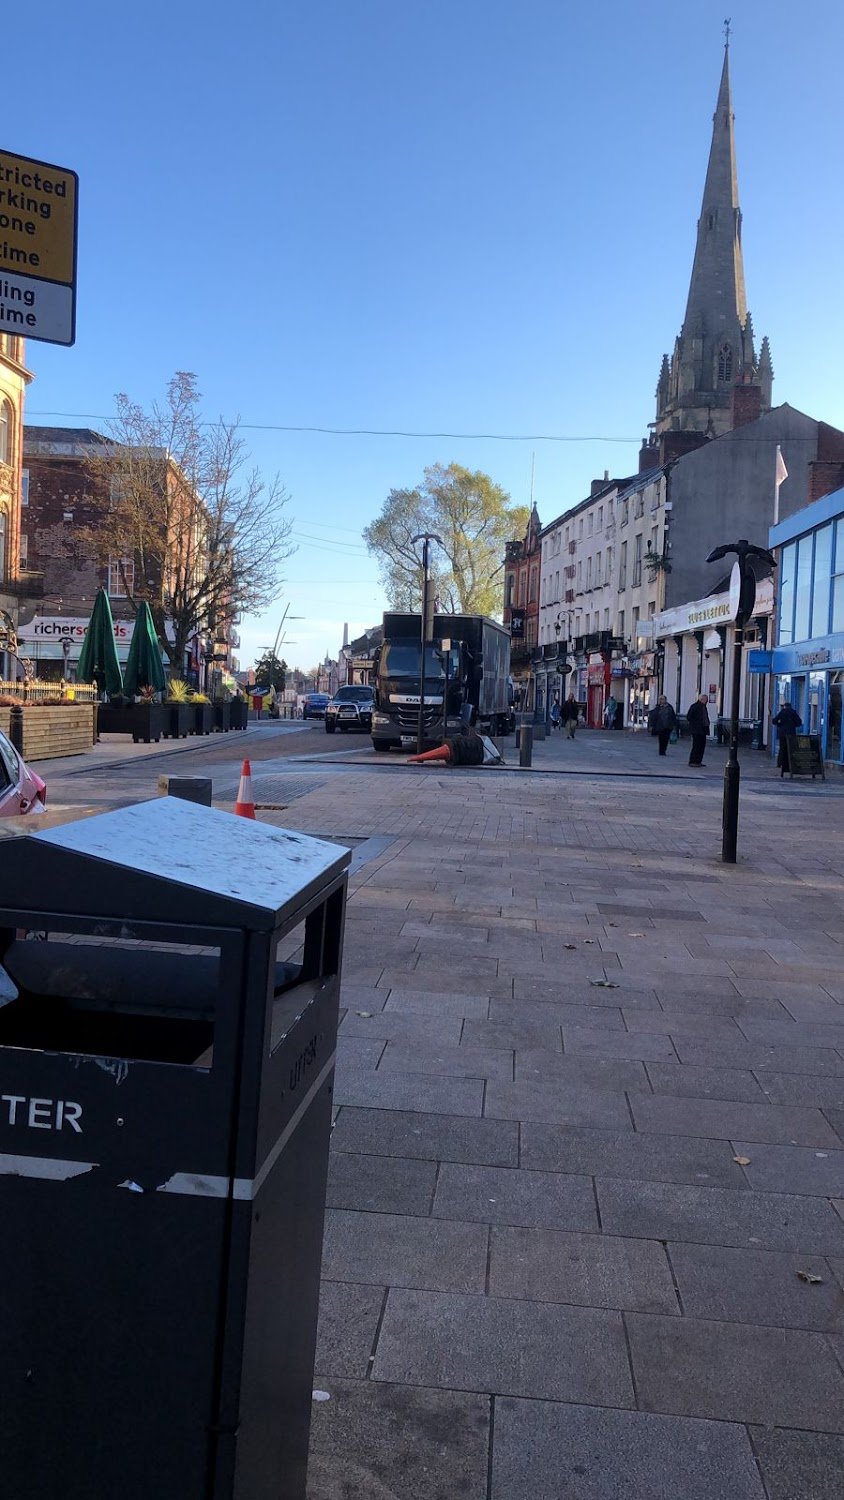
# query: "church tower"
x,y
715,351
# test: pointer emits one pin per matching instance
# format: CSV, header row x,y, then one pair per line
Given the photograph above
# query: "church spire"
x,y
715,348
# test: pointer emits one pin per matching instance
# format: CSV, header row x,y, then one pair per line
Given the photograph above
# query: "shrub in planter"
x,y
145,721
203,711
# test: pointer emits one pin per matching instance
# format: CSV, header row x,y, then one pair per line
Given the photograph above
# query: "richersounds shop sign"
x,y
38,235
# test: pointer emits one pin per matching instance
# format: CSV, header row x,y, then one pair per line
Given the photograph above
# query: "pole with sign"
x,y
38,233
743,594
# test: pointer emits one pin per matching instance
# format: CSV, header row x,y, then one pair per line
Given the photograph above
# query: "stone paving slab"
x,y
589,1270
803,1088
409,1091
574,1104
757,1286
641,1046
384,1132
397,1250
639,1158
438,1031
533,1064
793,1169
372,1441
799,1465
547,1451
736,1372
380,1184
725,1119
688,1082
348,1321
424,1003
497,1345
451,1062
719,1216
819,1061
498,1195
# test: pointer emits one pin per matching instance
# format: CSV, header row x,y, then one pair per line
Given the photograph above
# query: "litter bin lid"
x,y
230,871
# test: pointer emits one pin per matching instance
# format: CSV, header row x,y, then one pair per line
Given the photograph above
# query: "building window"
x,y
802,592
639,507
620,631
598,574
24,549
533,585
634,625
600,517
589,572
522,587
622,570
788,562
637,561
625,512
580,575
725,364
591,522
116,586
580,528
606,619
24,487
556,588
6,419
821,581
2,545
838,578
609,565
511,584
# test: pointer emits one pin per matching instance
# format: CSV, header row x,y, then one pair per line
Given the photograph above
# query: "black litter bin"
x,y
168,1016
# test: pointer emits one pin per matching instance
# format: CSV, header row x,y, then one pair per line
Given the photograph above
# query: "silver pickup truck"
x,y
350,708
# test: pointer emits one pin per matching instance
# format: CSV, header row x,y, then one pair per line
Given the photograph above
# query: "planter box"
x,y
43,731
203,718
222,716
144,721
178,720
5,719
238,713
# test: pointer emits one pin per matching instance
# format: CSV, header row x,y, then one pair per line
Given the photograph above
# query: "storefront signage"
x,y
813,658
718,609
517,624
759,661
53,629
803,754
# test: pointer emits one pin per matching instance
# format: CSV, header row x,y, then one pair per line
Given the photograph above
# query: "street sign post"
x,y
38,233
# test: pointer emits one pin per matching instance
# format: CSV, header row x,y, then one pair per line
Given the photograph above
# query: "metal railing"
x,y
34,690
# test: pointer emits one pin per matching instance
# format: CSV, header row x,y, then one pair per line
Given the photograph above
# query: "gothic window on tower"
x,y
725,364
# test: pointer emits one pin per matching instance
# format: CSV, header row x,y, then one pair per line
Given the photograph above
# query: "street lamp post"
x,y
746,583
425,537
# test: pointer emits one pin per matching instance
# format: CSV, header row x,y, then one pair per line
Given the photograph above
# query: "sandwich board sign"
x,y
38,233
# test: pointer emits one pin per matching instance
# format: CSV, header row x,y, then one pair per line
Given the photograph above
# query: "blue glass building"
x,y
808,660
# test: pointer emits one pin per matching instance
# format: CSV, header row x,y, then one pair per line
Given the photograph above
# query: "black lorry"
x,y
473,669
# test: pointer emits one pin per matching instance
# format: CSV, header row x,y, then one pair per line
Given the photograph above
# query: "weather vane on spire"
x,y
727,20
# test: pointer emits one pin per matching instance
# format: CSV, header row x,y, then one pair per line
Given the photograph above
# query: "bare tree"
x,y
193,530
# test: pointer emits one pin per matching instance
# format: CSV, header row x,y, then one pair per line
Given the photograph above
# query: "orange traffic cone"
x,y
245,806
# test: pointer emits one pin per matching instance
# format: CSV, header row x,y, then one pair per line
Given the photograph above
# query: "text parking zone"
x,y
38,223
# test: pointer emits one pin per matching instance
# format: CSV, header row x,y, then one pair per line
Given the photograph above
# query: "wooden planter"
x,y
222,716
179,720
144,721
42,731
203,720
5,719
238,713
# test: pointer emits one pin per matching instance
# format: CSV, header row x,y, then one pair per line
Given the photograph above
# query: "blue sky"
x,y
456,216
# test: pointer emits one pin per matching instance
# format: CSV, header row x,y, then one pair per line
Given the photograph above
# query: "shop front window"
x,y
802,595
786,621
820,585
813,722
838,578
833,734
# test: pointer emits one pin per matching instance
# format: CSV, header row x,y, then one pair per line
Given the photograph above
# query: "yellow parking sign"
x,y
38,232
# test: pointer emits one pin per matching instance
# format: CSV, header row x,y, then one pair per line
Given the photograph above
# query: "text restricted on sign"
x,y
38,230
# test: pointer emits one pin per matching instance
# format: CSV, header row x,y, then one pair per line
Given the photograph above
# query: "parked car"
x,y
21,791
350,708
315,705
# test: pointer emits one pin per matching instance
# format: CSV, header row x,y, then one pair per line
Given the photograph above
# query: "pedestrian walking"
x,y
787,722
555,712
570,715
698,720
662,721
610,712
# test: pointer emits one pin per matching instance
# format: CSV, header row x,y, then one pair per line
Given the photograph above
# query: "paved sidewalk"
x,y
586,1211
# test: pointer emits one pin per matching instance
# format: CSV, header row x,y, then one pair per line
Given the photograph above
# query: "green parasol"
x,y
98,658
143,669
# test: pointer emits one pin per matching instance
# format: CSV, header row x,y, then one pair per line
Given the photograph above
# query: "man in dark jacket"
x,y
787,721
698,721
662,721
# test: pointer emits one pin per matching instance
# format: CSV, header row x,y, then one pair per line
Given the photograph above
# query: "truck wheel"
x,y
380,744
329,728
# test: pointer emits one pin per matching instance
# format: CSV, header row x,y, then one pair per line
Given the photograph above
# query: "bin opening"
x,y
109,999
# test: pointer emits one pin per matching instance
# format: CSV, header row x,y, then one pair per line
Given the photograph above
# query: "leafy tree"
x,y
194,531
473,518
270,672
